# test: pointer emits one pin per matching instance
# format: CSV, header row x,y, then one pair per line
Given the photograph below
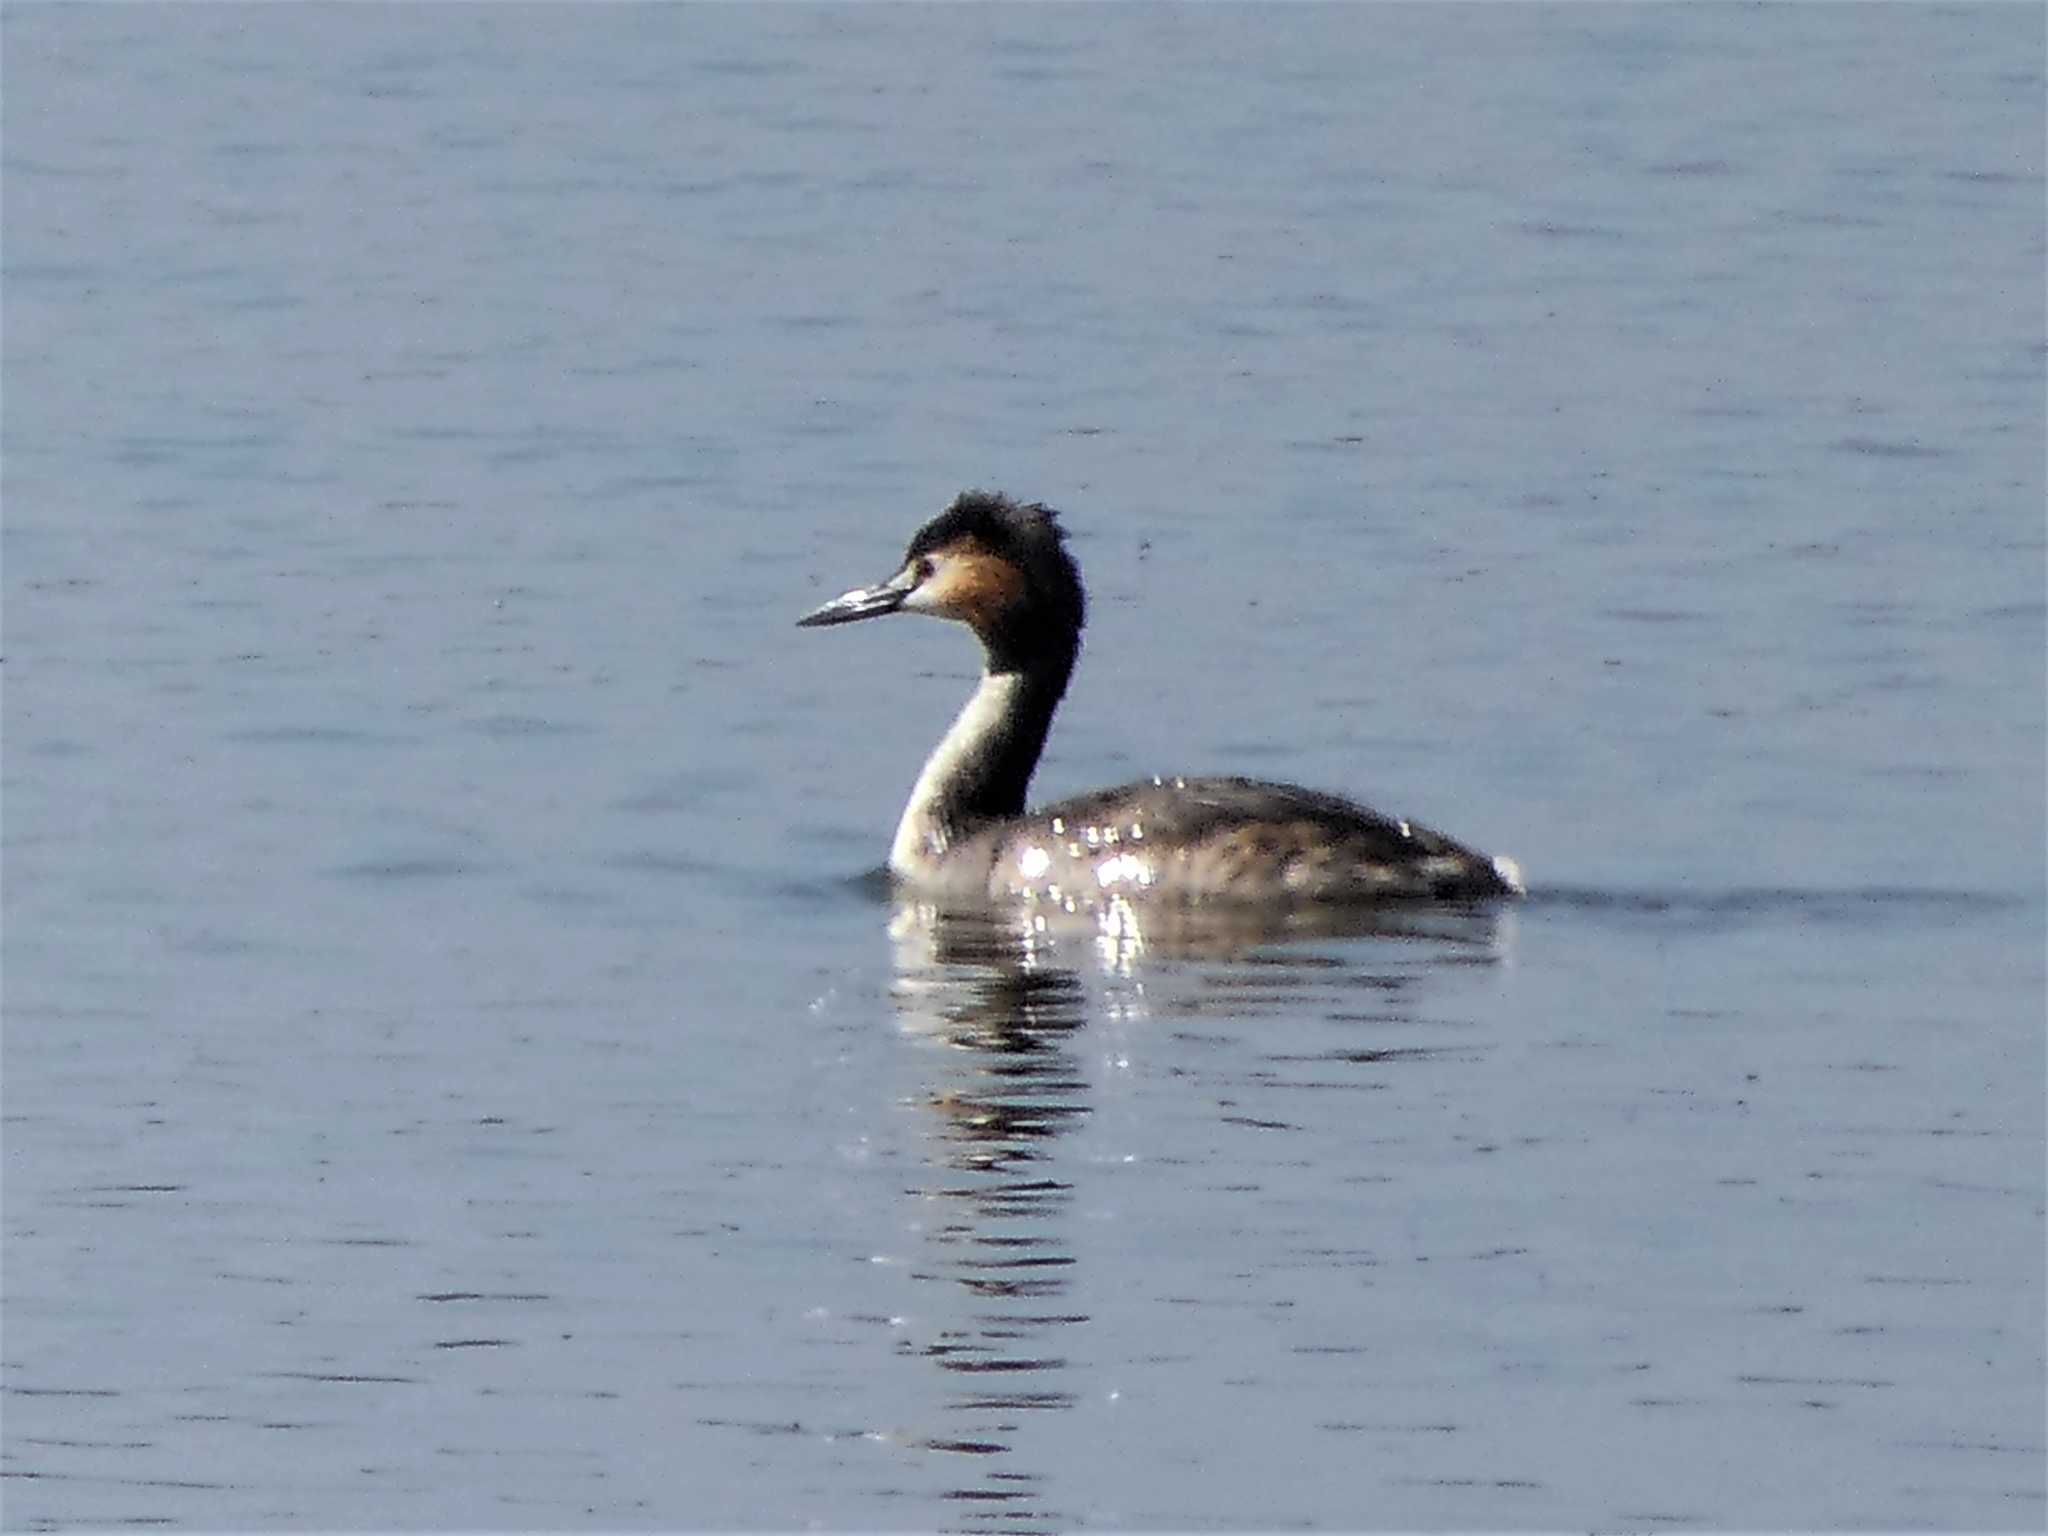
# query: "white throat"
x,y
936,815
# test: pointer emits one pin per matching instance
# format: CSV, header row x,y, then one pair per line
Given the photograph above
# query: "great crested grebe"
x,y
1001,567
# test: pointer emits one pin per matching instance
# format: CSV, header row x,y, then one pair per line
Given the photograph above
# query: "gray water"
x,y
455,1075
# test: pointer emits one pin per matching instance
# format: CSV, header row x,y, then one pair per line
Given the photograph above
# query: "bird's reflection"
x,y
1119,934
1005,991
998,1227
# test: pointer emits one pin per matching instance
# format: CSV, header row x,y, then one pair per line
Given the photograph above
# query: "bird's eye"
x,y
924,568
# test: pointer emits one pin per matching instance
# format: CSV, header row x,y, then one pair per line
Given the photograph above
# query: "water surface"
x,y
455,1075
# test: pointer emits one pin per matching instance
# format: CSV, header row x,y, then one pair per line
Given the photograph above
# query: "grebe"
x,y
1001,567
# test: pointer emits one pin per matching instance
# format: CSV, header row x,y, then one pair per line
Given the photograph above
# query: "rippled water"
x,y
456,1072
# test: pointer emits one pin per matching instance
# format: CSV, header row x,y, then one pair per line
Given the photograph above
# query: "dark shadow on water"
x,y
1218,930
1854,906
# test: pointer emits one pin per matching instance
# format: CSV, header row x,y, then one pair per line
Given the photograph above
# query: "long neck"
x,y
981,768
